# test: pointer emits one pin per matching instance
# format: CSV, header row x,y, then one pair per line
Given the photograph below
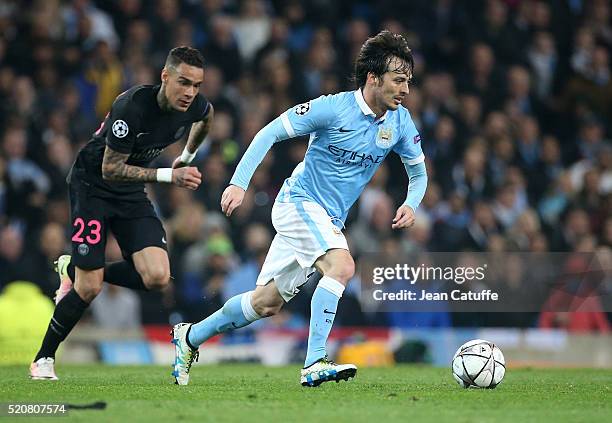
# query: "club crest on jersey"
x,y
384,139
302,109
120,128
179,133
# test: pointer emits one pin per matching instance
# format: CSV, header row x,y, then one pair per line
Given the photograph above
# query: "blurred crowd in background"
x,y
513,99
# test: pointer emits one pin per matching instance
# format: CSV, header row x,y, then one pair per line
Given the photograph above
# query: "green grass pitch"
x,y
253,393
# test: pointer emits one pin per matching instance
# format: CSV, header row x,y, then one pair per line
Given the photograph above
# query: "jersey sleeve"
x,y
124,122
307,117
299,120
257,150
417,184
409,145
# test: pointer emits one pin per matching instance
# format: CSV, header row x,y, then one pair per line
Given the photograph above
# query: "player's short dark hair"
x,y
184,54
376,54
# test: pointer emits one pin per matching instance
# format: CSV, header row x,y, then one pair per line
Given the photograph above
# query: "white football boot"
x,y
184,356
42,369
326,370
61,267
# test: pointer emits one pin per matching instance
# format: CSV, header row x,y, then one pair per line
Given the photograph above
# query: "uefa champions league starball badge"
x,y
120,128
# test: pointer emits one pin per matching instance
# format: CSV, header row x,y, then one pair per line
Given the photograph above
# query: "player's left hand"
x,y
231,198
178,163
404,217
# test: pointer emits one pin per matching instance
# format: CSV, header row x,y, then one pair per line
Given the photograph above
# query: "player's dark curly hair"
x,y
376,54
184,54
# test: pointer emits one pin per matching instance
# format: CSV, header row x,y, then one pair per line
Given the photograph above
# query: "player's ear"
x,y
164,75
373,79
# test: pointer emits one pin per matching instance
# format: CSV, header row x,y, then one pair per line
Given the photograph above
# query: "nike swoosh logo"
x,y
346,130
141,134
328,312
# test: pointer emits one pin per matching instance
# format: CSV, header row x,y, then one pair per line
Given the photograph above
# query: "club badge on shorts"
x,y
384,139
83,249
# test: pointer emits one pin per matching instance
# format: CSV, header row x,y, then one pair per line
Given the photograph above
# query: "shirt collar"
x,y
364,106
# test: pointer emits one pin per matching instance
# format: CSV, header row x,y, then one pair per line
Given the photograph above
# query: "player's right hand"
x,y
187,177
232,198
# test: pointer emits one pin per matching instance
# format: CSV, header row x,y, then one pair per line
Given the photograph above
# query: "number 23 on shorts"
x,y
92,226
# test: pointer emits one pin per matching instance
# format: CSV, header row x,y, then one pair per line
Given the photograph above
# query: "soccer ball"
x,y
479,364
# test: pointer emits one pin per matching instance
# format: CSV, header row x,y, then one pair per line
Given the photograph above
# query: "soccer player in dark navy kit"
x,y
107,192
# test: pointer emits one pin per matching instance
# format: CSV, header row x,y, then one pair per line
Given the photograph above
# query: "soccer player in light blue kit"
x,y
350,135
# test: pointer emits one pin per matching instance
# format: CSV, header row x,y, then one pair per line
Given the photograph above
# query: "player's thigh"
x,y
88,283
281,266
89,221
140,230
307,230
142,239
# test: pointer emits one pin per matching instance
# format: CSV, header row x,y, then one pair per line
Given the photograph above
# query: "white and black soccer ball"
x,y
479,364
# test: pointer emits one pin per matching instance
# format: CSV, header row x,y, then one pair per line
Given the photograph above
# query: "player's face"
x,y
182,85
393,87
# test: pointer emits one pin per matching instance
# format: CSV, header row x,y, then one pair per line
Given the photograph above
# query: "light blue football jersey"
x,y
347,145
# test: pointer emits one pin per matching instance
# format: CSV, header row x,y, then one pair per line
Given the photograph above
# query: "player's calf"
x,y
236,313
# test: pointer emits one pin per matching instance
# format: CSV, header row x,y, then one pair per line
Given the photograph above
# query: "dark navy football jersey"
x,y
136,126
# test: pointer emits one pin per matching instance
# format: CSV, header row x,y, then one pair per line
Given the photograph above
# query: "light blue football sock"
x,y
323,308
237,312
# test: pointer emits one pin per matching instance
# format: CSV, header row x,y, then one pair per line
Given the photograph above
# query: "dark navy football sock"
x,y
66,315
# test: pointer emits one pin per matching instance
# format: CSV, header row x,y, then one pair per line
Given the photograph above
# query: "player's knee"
x,y
88,292
343,270
88,284
92,293
156,278
267,307
268,311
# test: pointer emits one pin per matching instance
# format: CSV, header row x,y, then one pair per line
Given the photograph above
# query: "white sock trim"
x,y
247,308
332,286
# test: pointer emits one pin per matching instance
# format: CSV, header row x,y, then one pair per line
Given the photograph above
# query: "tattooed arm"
x,y
199,131
115,168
